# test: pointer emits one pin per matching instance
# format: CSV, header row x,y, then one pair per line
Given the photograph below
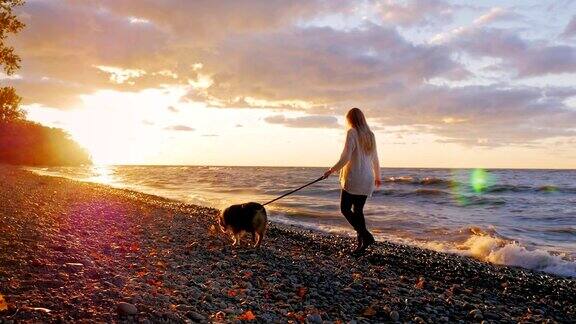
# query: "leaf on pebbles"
x,y
301,292
421,283
356,276
247,316
369,311
156,283
134,247
220,316
232,293
3,304
297,316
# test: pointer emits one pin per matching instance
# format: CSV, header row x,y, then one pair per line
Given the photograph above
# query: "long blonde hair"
x,y
356,120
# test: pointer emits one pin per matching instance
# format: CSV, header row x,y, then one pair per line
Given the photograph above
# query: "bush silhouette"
x,y
27,143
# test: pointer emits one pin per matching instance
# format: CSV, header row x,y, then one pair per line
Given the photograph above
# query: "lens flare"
x,y
467,185
479,180
549,189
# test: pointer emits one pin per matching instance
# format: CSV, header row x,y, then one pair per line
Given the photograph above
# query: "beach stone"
x,y
313,319
126,309
456,289
266,318
184,308
394,316
164,299
118,281
230,310
195,316
476,314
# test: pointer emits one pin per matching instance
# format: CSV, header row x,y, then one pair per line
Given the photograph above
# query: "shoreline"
x,y
81,249
476,241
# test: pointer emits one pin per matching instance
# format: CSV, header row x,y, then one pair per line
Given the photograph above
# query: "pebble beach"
x,y
73,251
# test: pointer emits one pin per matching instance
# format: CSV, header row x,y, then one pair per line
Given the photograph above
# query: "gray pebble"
x,y
126,309
313,318
394,316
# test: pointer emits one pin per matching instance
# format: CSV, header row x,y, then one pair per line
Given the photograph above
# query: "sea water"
x,y
523,218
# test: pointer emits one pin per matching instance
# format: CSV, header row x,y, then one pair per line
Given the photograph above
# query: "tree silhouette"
x,y
9,106
22,141
10,61
9,24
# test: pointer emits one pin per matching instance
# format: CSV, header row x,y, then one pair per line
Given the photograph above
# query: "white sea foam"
x,y
500,251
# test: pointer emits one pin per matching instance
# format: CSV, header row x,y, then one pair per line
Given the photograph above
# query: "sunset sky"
x,y
444,83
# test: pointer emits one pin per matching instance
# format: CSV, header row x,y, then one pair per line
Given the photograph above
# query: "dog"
x,y
244,218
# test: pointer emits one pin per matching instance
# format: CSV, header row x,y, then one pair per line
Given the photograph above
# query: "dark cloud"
x,y
528,58
304,122
486,115
207,22
321,66
182,128
64,44
570,30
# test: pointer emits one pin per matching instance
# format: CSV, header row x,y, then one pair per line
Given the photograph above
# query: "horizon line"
x,y
303,166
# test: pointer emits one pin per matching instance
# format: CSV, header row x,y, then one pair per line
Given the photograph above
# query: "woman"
x,y
359,174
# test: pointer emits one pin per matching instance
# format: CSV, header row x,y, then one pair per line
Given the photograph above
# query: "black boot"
x,y
360,244
367,240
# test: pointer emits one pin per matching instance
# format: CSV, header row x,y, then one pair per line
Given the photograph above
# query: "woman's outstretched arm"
x,y
346,152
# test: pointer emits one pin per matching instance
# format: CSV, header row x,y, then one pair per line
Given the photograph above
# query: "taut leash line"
x,y
293,191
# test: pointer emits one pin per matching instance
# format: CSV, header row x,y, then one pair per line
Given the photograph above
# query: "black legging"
x,y
352,207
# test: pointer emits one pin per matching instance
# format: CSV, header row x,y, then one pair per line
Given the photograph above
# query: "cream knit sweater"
x,y
358,169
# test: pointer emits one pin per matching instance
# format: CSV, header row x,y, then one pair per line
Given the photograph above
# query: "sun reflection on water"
x,y
102,174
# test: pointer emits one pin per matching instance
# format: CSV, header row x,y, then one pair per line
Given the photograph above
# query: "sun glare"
x,y
119,128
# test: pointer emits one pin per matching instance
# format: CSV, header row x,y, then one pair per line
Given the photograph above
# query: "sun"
x,y
121,128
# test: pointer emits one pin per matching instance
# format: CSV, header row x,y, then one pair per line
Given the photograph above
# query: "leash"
x,y
293,191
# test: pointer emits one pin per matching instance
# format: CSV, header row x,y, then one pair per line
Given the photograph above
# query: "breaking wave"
x,y
500,251
488,246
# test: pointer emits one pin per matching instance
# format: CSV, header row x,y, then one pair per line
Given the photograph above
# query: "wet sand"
x,y
72,251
